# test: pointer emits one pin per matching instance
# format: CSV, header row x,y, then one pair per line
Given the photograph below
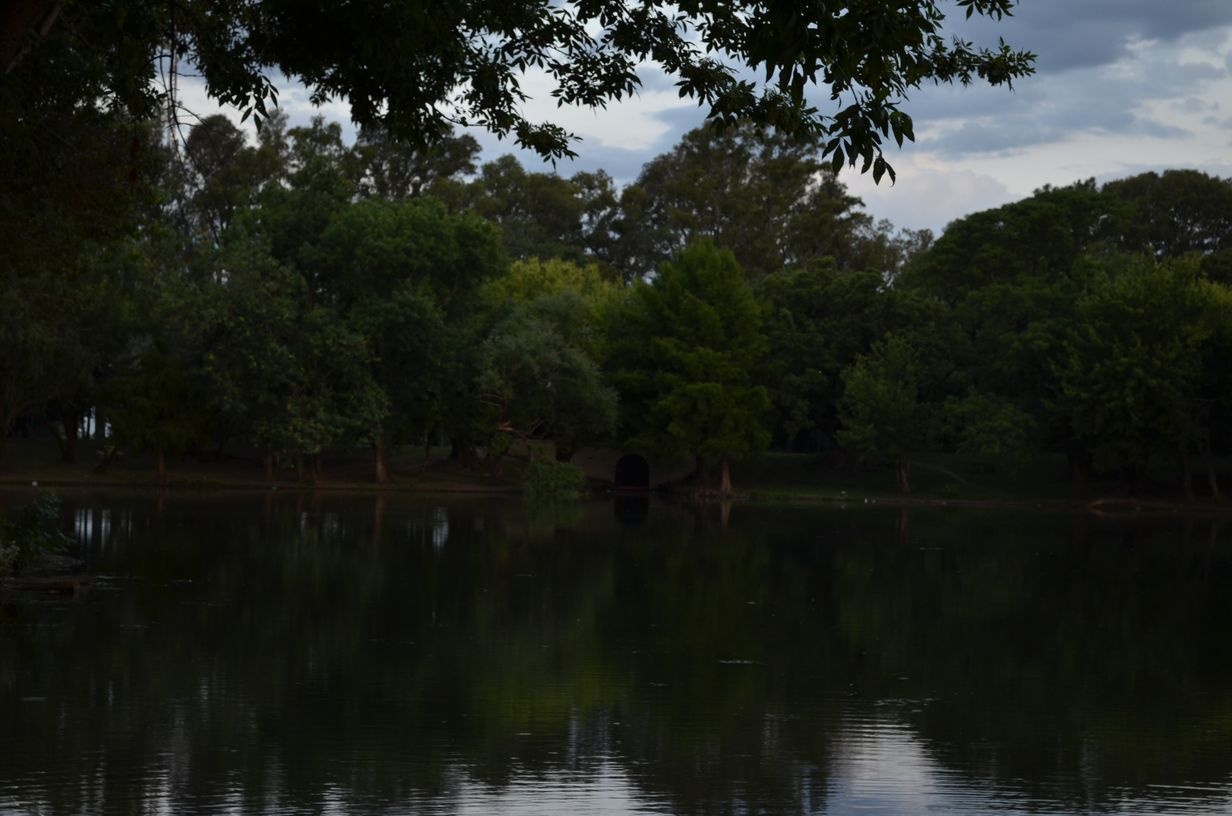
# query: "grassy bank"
x,y
954,480
948,480
38,460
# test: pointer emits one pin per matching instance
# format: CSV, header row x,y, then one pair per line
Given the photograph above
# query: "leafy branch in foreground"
x,y
419,68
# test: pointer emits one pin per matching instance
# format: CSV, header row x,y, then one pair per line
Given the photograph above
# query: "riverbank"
x,y
776,478
36,463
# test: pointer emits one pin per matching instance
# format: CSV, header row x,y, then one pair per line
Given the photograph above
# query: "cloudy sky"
x,y
1122,86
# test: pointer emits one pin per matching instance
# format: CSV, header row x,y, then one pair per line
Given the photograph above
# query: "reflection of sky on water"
x,y
607,790
440,528
313,655
883,768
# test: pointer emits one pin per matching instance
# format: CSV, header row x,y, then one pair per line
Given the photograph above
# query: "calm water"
x,y
358,655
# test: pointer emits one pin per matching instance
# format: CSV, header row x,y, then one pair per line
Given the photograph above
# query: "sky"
x,y
1121,87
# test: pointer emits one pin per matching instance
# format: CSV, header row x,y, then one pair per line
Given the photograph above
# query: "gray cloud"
x,y
1068,34
1054,107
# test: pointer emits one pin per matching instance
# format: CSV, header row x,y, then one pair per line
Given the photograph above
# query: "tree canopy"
x,y
419,68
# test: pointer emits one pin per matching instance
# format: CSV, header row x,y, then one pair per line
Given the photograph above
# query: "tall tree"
x,y
398,273
1130,370
766,196
1174,213
544,215
1012,277
78,181
540,370
223,173
884,410
394,170
818,321
686,355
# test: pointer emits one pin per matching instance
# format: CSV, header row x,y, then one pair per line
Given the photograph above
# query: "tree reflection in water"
x,y
283,654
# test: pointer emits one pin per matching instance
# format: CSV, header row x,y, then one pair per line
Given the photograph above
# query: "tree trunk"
x,y
904,476
382,461
725,483
299,468
267,462
162,467
100,426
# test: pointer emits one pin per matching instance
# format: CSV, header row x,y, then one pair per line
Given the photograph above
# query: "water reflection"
x,y
308,654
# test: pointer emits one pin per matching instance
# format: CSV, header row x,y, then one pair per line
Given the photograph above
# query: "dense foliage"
x,y
417,68
292,296
29,532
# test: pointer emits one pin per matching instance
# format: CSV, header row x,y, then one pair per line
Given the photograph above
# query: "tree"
x,y
1039,238
1174,213
393,170
1212,414
257,365
883,410
686,351
538,382
528,281
818,321
541,360
765,195
77,181
543,215
396,274
223,174
1131,363
1012,278
159,406
469,60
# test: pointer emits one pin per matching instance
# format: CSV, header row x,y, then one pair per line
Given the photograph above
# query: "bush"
x,y
29,531
550,480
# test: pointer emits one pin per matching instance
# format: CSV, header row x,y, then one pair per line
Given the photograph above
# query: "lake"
x,y
296,654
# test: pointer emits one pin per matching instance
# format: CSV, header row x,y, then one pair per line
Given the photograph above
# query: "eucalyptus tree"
x,y
394,170
765,195
543,215
223,174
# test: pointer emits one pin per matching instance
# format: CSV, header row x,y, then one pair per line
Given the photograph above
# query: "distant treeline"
x,y
297,294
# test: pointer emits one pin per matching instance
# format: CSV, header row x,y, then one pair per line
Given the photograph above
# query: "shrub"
x,y
29,531
550,480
